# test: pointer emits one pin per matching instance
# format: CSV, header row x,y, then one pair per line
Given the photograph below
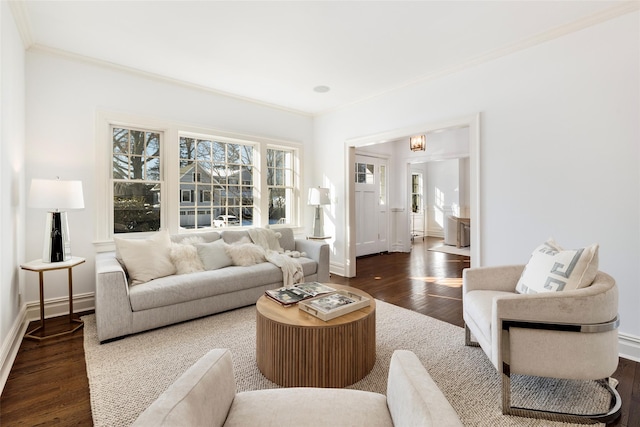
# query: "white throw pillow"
x,y
185,258
146,259
246,254
213,255
553,269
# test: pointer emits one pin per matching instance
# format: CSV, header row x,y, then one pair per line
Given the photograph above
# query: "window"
x,y
137,179
159,174
222,173
364,173
416,193
280,175
383,185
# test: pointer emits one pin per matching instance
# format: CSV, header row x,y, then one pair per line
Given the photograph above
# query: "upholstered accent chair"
x,y
570,334
205,395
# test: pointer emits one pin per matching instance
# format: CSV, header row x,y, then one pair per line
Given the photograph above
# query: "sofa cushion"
x,y
177,289
287,240
213,255
235,236
478,306
146,259
552,269
309,407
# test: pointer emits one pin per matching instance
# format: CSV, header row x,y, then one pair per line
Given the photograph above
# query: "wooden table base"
x,y
320,355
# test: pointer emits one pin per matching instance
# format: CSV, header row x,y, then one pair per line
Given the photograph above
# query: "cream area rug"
x,y
127,375
448,249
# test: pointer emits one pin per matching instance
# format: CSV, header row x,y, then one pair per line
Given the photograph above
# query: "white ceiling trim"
x,y
36,47
21,18
20,12
552,34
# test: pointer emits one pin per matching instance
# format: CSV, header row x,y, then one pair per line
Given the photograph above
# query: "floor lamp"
x,y
318,197
56,196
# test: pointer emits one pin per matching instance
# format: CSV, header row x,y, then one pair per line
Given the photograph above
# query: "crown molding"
x,y
41,48
20,12
552,34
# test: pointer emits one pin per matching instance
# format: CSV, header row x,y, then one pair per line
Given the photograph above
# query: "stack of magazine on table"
x,y
319,300
296,293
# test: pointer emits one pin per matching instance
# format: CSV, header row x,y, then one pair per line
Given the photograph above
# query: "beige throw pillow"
x,y
213,255
146,259
553,269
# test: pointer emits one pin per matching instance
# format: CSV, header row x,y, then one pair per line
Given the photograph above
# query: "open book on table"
x,y
296,293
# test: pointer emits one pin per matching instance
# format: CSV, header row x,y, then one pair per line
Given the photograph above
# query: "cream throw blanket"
x,y
268,239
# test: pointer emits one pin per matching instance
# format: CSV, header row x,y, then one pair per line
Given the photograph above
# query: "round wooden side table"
x,y
296,349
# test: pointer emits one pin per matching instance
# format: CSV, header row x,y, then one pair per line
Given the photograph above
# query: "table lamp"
x,y
318,196
56,196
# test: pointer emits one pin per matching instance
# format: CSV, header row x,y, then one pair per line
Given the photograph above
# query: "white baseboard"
x,y
11,345
629,347
335,268
60,306
29,312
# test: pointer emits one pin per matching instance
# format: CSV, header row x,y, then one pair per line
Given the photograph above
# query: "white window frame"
x,y
290,204
169,153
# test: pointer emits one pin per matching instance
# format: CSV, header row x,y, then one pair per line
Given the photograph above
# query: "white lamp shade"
x,y
319,196
56,194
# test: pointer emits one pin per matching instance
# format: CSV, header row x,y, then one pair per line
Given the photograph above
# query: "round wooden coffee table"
x,y
296,349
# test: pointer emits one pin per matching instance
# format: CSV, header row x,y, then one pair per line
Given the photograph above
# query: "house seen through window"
x,y
221,181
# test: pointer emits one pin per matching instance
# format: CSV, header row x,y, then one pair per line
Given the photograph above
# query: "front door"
x,y
372,222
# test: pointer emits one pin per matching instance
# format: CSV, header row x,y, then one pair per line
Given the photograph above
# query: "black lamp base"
x,y
57,246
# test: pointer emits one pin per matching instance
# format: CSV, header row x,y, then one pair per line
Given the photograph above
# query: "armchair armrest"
x,y
597,303
413,397
201,396
317,251
499,278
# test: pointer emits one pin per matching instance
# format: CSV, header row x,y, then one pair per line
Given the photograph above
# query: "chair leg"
x,y
467,338
613,412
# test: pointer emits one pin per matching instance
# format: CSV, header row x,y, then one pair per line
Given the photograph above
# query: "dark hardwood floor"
x,y
48,382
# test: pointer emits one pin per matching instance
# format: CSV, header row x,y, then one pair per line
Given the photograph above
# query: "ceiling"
x,y
277,52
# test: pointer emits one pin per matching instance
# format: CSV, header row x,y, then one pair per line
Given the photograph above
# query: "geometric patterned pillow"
x,y
553,269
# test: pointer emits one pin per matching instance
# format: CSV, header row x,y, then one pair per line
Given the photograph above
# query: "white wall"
x,y
12,129
442,182
559,148
63,96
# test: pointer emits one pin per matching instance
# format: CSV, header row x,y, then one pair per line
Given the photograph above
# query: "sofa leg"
x,y
467,338
605,417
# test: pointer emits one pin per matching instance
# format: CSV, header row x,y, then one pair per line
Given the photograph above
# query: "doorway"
x,y
399,221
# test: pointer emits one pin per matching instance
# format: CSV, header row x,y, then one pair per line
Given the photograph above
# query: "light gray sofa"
x,y
205,395
122,309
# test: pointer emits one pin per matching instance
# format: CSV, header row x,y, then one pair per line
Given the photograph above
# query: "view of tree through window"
x,y
216,183
136,177
280,185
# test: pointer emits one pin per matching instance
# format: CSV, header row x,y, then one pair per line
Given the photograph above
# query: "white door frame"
x,y
473,122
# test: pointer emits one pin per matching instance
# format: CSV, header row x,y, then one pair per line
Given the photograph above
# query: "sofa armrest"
x,y
201,396
113,308
497,278
413,397
317,251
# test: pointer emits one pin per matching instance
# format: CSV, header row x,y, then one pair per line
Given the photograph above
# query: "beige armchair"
x,y
205,395
570,334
